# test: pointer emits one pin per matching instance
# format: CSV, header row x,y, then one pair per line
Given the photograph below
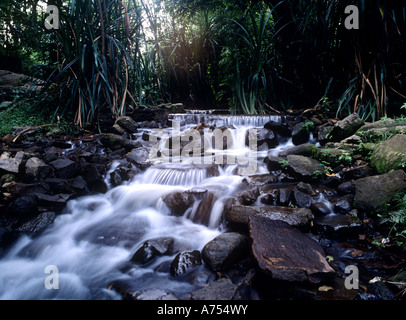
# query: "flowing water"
x,y
92,242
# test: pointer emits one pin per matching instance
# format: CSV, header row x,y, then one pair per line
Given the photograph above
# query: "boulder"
x,y
293,216
140,157
305,168
301,132
37,224
279,128
153,248
225,250
390,154
12,165
178,202
37,168
128,124
346,127
264,136
285,253
184,261
304,149
115,142
222,289
65,168
338,224
371,193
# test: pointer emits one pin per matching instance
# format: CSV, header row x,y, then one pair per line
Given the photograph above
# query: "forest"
x,y
252,57
203,150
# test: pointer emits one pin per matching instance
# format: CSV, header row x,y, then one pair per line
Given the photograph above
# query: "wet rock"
x,y
115,142
346,127
153,248
338,224
65,168
203,211
260,179
12,165
346,187
381,291
122,174
20,189
57,185
305,168
301,132
184,261
222,289
285,196
178,202
390,154
129,290
7,237
264,136
140,157
37,168
21,209
305,149
306,188
53,202
279,128
275,163
38,223
302,199
225,250
372,192
94,176
127,124
292,216
285,253
271,197
320,209
343,205
248,197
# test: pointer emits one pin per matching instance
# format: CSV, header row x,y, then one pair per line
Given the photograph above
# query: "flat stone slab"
x,y
285,253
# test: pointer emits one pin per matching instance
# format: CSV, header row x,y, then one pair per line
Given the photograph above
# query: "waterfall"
x,y
92,242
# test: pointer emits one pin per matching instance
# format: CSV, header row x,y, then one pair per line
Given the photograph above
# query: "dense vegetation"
x,y
251,56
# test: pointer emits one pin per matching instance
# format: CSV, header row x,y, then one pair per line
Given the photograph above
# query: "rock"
x,y
346,187
292,216
278,127
53,202
334,157
94,177
225,250
248,197
37,224
65,168
222,289
57,185
153,248
343,205
323,134
285,196
301,132
302,199
305,168
320,209
21,209
7,237
306,188
140,157
21,189
285,253
275,163
346,127
38,168
390,154
203,211
127,124
305,149
129,290
184,261
12,165
264,136
178,202
338,224
372,192
115,142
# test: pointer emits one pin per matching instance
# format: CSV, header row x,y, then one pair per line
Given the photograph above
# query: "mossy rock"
x,y
390,154
334,157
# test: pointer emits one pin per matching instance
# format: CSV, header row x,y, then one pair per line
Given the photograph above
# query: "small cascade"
x,y
180,175
252,121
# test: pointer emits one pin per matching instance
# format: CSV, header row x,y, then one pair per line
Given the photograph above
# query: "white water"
x,y
93,241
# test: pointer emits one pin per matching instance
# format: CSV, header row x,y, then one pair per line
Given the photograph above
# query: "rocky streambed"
x,y
187,231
